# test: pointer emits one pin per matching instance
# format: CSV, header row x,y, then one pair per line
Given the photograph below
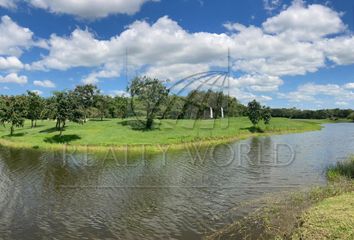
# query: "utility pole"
x,y
126,65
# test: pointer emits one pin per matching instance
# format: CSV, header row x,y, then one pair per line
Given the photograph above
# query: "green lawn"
x,y
121,132
333,218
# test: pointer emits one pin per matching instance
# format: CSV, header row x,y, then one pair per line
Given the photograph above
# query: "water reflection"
x,y
181,196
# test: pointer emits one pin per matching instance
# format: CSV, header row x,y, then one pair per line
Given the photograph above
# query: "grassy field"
x,y
123,132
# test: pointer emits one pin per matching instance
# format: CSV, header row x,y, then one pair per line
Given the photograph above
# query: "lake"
x,y
177,195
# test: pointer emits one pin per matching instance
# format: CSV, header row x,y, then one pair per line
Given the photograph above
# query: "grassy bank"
x,y
319,213
120,133
332,218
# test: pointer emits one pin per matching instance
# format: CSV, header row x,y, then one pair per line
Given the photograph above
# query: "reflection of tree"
x,y
260,157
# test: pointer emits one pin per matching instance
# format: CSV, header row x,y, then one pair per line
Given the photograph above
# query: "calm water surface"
x,y
182,195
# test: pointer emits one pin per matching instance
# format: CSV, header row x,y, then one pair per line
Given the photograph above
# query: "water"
x,y
177,196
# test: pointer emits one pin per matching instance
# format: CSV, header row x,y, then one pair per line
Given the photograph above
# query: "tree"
x,y
13,111
102,105
266,115
85,96
151,93
119,107
34,107
66,107
254,111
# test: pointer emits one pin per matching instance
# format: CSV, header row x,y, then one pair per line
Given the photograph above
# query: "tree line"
x,y
333,114
149,99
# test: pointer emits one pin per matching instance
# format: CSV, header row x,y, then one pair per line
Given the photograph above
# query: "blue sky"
x,y
283,53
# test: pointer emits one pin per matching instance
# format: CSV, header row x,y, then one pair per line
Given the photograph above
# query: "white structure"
x,y
211,113
222,112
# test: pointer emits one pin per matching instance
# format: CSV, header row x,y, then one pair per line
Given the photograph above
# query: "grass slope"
x,y
122,132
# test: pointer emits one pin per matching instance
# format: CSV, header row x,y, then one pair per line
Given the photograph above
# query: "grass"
x,y
332,218
341,169
319,213
119,133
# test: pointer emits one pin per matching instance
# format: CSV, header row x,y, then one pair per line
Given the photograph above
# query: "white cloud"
x,y
310,92
13,78
13,38
176,71
340,50
110,70
297,41
38,92
119,93
90,9
257,83
44,84
10,63
299,22
271,5
7,3
349,85
342,103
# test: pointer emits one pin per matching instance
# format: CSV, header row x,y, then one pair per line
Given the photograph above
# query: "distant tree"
x,y
254,111
34,107
351,116
120,104
13,112
266,115
85,97
151,93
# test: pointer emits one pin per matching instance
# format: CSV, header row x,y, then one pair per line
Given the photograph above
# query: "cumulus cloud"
x,y
90,9
305,23
44,84
10,63
300,39
13,78
13,38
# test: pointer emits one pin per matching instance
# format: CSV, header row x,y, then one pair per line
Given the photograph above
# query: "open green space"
x,y
122,132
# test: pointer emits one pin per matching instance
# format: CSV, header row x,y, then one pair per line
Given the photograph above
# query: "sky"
x,y
284,53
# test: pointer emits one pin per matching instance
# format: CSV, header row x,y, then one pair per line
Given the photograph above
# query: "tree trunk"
x,y
12,130
35,123
31,123
149,123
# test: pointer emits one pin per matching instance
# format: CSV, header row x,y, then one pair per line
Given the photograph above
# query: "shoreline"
x,y
151,148
295,215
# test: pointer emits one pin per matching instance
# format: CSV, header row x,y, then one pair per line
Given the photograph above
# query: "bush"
x,y
342,169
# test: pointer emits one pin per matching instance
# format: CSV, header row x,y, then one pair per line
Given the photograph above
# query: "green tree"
x,y
151,93
13,112
102,105
254,111
65,107
34,107
266,115
85,97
